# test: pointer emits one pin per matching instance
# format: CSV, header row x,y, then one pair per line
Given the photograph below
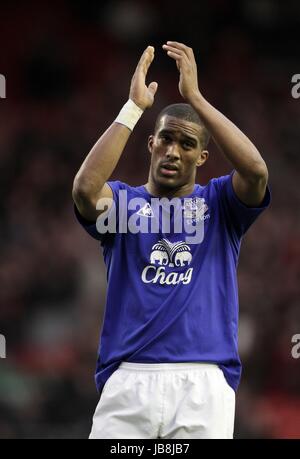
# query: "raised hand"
x,y
143,95
186,64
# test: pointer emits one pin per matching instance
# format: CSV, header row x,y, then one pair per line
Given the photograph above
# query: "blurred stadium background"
x,y
68,66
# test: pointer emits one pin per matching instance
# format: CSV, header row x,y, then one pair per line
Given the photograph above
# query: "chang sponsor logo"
x,y
166,254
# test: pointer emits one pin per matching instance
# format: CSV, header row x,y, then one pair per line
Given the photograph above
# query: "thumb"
x,y
153,87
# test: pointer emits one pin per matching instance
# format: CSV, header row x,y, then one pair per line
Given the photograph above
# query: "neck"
x,y
162,191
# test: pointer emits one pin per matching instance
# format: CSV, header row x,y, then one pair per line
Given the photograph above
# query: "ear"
x,y
150,143
203,156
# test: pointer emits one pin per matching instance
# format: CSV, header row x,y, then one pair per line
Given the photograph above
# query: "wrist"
x,y
195,96
129,114
197,101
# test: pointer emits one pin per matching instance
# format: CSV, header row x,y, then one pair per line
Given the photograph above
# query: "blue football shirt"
x,y
169,300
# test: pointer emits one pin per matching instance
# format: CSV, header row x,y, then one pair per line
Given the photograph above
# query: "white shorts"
x,y
165,400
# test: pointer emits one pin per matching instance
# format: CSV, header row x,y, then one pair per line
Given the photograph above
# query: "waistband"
x,y
131,366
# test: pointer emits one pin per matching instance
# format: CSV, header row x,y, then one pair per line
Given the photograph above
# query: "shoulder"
x,y
124,191
215,186
118,185
220,182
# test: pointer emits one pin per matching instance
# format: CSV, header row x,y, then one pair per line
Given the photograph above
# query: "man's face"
x,y
176,152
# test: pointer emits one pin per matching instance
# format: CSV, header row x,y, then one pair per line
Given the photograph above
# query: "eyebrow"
x,y
192,140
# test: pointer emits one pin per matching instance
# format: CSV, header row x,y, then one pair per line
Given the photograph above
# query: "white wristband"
x,y
129,114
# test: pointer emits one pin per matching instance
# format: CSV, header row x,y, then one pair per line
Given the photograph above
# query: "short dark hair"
x,y
187,113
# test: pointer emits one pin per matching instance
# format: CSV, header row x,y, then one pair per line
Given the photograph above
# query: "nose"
x,y
172,152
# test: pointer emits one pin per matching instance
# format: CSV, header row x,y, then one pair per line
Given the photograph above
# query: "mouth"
x,y
169,169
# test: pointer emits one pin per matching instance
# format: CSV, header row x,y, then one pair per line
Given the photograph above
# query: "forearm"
x,y
104,156
102,160
235,145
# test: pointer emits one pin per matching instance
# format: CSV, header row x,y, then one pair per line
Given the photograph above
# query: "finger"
x,y
175,55
180,46
179,53
153,87
147,51
146,59
178,56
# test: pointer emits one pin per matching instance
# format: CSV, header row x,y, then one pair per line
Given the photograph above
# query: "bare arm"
x,y
90,181
251,173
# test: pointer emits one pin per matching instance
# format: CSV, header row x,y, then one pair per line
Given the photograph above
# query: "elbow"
x,y
76,190
263,173
259,173
81,190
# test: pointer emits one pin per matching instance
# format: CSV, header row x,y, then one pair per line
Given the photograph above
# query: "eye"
x,y
166,138
187,145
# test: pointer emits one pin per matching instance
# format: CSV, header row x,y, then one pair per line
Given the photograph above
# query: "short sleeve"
x,y
240,215
91,227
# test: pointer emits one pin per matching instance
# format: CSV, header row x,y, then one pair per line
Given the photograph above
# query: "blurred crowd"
x,y
68,67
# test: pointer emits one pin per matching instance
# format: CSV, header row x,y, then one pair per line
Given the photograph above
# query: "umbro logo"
x,y
146,211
